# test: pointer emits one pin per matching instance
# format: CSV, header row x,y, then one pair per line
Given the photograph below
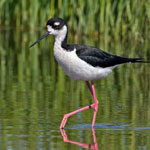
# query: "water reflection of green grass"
x,y
35,92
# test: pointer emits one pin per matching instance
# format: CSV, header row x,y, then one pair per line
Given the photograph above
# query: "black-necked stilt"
x,y
82,62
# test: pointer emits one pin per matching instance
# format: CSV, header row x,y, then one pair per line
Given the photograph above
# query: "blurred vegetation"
x,y
34,91
103,17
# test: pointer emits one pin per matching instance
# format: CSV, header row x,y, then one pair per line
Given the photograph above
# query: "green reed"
x,y
110,17
35,93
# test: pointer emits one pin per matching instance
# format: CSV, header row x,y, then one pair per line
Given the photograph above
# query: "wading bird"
x,y
82,62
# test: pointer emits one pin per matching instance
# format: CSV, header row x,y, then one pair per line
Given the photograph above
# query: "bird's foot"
x,y
63,122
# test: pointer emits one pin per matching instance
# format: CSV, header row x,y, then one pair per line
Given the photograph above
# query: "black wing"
x,y
99,58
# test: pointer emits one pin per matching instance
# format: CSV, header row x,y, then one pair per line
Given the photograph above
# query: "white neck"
x,y
60,36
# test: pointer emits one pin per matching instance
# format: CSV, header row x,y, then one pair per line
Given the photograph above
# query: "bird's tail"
x,y
138,60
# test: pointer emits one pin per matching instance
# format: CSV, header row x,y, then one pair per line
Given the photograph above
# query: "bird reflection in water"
x,y
83,145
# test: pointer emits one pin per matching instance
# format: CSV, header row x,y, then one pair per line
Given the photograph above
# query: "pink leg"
x,y
72,113
89,86
95,106
92,90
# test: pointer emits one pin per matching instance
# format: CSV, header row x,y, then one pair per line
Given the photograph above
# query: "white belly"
x,y
78,69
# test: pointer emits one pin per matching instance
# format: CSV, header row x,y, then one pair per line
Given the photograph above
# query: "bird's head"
x,y
56,27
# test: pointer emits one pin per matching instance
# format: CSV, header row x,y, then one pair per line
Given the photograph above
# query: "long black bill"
x,y
42,37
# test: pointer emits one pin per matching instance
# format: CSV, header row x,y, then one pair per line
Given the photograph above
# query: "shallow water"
x,y
35,94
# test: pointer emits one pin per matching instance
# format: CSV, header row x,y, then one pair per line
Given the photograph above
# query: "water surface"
x,y
35,94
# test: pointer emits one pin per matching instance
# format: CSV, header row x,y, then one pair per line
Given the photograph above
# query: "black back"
x,y
99,58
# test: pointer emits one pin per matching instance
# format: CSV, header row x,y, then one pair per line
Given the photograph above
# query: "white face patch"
x,y
58,34
57,23
49,28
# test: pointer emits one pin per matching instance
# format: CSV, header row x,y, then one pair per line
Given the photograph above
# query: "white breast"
x,y
76,68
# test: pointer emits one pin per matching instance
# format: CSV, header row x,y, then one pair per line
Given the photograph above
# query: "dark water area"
x,y
35,94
